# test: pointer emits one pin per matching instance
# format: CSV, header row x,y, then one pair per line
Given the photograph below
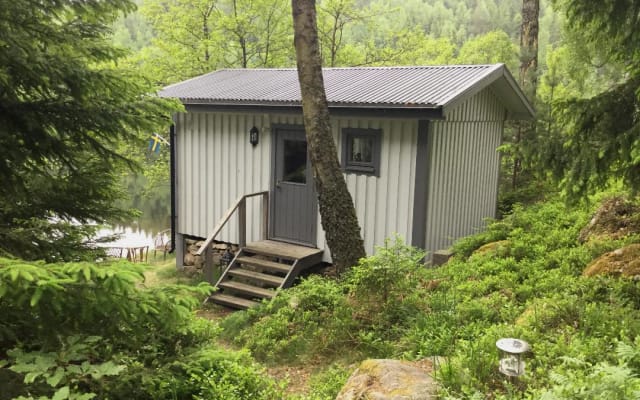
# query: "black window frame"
x,y
371,168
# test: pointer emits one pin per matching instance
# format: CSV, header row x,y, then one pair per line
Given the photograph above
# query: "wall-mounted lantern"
x,y
254,136
512,356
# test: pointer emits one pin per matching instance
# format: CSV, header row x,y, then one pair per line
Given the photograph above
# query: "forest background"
x,y
76,119
169,41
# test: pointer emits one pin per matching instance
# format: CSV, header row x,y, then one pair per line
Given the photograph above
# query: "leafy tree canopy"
x,y
601,132
65,109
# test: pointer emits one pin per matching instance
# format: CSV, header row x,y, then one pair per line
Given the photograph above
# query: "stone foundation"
x,y
194,264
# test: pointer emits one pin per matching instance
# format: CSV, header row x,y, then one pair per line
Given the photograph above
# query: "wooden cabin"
x,y
417,146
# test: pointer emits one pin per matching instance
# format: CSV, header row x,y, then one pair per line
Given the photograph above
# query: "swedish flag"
x,y
156,142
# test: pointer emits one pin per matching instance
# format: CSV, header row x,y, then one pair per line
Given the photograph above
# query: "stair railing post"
x,y
208,264
242,220
265,215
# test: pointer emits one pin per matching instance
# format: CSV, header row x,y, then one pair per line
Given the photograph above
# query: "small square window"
x,y
361,151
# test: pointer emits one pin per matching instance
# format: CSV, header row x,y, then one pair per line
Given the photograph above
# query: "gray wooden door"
x,y
294,212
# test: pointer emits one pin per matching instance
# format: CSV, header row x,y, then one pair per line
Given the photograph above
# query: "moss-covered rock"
x,y
499,248
624,261
616,218
389,380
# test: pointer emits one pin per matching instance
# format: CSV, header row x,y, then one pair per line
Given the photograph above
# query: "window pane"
x,y
295,161
361,149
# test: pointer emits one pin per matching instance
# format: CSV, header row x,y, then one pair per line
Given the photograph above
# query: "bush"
x,y
576,379
79,331
327,384
312,318
381,285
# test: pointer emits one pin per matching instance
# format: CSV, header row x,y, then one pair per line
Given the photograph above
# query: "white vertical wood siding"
x,y
463,170
384,204
215,165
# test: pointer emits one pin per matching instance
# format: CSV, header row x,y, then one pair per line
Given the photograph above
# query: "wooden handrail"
x,y
241,206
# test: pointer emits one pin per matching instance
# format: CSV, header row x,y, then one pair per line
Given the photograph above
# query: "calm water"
x,y
156,216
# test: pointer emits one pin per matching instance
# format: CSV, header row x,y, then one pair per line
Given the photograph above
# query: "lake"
x,y
155,208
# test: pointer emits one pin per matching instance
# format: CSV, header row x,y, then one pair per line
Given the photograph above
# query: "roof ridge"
x,y
384,67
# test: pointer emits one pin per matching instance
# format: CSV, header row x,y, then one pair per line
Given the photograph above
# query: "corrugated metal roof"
x,y
426,87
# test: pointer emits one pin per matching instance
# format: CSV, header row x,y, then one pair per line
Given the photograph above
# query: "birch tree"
x,y
337,212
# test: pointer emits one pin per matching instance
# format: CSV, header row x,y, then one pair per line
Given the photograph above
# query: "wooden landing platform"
x,y
281,249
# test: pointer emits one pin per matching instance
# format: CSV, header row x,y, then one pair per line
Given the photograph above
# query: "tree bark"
x,y
528,75
337,213
529,47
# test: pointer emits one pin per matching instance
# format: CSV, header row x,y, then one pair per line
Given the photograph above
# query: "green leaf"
x,y
61,394
27,276
57,376
86,271
13,274
36,296
31,377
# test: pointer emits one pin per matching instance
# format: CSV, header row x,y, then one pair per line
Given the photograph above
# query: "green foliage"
x,y
65,111
311,318
384,278
39,299
366,312
578,379
380,287
591,125
63,373
222,377
228,34
489,48
327,384
81,331
530,286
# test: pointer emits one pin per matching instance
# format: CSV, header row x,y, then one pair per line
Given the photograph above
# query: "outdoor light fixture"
x,y
511,356
254,136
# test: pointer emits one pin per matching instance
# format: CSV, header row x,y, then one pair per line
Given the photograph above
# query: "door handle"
x,y
278,184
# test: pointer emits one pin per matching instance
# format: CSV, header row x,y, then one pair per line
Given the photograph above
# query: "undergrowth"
x,y
82,331
530,286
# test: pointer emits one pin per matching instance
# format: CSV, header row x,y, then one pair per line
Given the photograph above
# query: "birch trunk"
x,y
337,213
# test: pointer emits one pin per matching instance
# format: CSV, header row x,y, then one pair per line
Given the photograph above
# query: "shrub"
x,y
576,379
381,287
80,331
309,319
327,384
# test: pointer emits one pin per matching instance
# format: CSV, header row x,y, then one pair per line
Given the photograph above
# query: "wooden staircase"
x,y
260,269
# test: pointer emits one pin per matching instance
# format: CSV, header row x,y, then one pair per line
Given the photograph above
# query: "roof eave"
x,y
521,111
357,110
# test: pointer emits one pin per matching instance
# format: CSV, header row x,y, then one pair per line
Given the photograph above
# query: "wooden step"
x,y
248,289
257,276
232,301
277,249
265,264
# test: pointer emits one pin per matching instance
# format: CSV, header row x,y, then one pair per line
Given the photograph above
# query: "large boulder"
x,y
621,262
390,380
616,218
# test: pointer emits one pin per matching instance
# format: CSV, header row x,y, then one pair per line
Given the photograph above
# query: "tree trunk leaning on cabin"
x,y
528,75
337,212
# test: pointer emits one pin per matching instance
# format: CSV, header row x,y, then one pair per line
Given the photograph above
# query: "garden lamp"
x,y
512,355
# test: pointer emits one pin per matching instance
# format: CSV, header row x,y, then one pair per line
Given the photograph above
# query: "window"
x,y
295,161
361,151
